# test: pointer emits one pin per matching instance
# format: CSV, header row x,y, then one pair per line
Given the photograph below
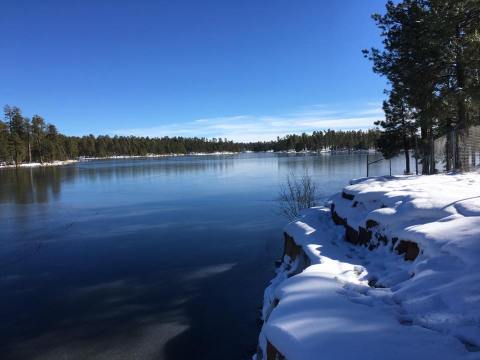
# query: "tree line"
x,y
431,59
321,140
34,140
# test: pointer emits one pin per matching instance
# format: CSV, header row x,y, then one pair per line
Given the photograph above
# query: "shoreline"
x,y
363,272
150,156
113,157
37,164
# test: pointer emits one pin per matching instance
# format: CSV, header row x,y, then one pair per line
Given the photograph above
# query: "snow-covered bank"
x,y
113,157
326,151
405,285
37,164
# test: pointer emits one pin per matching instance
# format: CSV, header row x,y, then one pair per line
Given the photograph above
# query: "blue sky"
x,y
245,70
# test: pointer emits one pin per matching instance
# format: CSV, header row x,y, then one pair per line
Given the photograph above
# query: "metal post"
x,y
367,164
390,164
454,149
416,156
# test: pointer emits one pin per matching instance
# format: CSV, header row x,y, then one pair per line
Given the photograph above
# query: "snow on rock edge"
x,y
349,302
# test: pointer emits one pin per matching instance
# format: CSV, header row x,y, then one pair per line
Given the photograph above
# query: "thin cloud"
x,y
267,127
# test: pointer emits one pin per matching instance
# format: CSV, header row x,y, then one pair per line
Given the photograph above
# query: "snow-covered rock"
x,y
368,302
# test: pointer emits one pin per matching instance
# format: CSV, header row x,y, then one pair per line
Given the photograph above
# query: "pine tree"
x,y
432,54
17,133
38,134
399,128
4,143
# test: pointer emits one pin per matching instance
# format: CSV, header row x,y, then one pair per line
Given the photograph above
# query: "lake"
x,y
159,258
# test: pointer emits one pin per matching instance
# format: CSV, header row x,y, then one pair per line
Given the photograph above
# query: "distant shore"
x,y
114,157
37,164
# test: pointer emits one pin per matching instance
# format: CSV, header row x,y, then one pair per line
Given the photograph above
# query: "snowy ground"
x,y
351,302
37,164
158,155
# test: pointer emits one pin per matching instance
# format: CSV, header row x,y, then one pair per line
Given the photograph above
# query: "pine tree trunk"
x,y
405,145
29,150
16,154
40,150
416,154
461,136
448,148
461,109
424,150
432,151
407,162
407,155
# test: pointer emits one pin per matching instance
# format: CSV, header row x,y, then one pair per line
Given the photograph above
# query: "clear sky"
x,y
245,69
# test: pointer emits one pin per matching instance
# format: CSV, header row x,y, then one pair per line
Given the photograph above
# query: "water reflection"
x,y
118,169
26,186
341,163
43,184
152,259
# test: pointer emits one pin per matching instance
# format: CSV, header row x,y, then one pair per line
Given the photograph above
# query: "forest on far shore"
x,y
34,140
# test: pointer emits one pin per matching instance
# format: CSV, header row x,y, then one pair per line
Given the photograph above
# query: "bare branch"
x,y
297,194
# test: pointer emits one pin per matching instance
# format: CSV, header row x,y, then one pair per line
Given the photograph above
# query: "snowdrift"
x,y
389,270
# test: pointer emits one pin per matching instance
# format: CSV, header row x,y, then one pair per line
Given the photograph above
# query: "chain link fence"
x,y
458,150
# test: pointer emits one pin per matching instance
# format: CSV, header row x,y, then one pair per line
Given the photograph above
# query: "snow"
x,y
37,164
121,157
352,302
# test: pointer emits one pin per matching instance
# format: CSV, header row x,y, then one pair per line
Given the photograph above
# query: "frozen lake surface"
x,y
146,259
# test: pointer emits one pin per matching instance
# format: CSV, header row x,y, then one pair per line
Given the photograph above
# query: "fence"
x,y
377,165
371,161
458,150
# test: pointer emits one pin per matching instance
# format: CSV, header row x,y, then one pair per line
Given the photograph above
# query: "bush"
x,y
297,194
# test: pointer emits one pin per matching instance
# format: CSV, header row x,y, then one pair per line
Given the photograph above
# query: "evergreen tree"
x,y
38,133
398,128
17,133
431,55
35,140
4,142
